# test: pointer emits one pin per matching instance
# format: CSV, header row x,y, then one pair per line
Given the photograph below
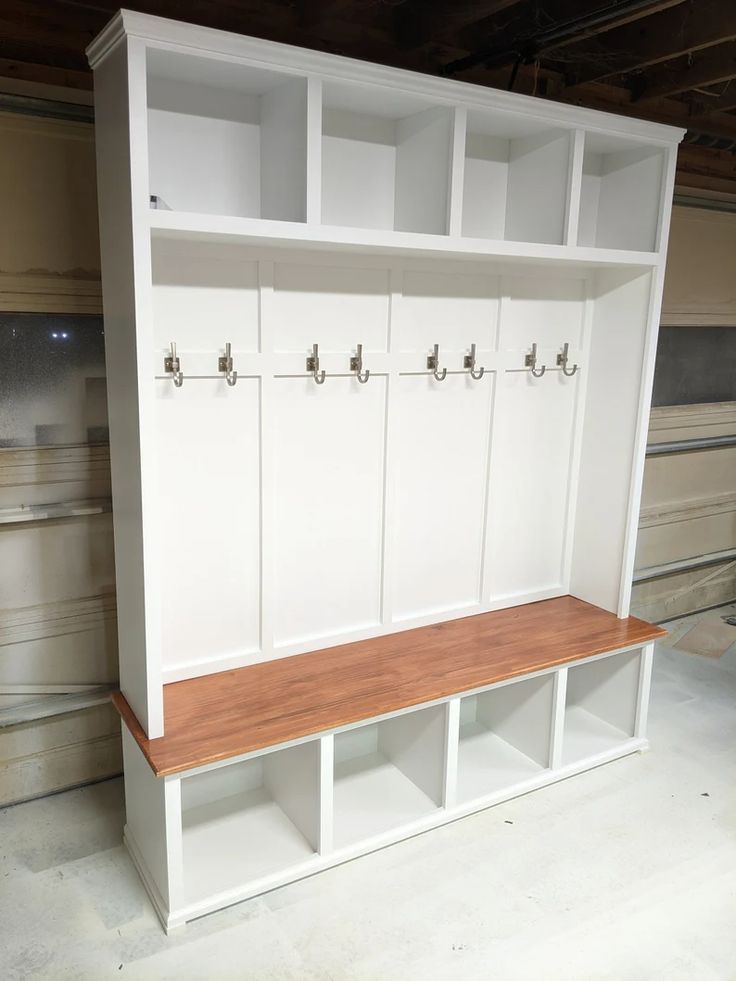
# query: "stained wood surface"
x,y
232,712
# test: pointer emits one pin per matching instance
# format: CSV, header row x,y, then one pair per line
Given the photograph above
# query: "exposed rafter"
x,y
715,64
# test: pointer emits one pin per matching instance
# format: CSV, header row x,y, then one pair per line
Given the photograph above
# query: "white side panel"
x,y
128,341
358,170
442,433
329,462
415,743
292,776
208,484
521,714
423,171
336,307
537,189
204,294
284,152
620,314
608,689
485,186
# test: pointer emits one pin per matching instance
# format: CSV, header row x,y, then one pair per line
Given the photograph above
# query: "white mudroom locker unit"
x,y
379,353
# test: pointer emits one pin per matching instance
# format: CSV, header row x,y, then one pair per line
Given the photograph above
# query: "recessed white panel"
x,y
442,432
530,481
204,295
335,307
453,310
328,506
208,518
544,310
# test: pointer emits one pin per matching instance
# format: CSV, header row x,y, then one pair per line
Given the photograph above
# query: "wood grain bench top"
x,y
232,712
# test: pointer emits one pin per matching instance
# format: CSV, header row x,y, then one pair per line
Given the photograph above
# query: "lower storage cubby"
x,y
388,774
600,709
504,736
248,820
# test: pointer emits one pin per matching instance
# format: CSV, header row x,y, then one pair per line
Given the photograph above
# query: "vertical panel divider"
x,y
457,172
577,439
574,187
557,735
314,151
642,697
495,403
174,841
267,415
389,459
326,794
452,744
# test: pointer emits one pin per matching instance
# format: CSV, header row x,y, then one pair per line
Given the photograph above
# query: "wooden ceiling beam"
x,y
24,71
715,64
675,32
418,22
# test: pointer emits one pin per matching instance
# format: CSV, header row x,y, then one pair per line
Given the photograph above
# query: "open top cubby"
x,y
516,179
385,159
620,200
247,820
226,138
388,774
601,703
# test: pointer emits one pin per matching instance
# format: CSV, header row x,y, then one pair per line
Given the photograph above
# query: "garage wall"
x,y
58,652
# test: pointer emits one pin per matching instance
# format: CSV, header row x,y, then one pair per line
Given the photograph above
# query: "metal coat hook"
x,y
313,366
562,360
173,366
530,362
356,365
469,363
433,362
226,364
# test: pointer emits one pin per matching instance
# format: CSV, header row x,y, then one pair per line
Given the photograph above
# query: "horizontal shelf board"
x,y
237,839
372,796
256,231
223,715
486,763
587,735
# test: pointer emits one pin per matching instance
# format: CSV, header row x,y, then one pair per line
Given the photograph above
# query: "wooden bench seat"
x,y
223,715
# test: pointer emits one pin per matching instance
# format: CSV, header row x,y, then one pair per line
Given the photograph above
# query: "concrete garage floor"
x,y
628,872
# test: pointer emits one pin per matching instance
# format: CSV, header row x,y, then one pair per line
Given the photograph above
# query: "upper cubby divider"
x,y
516,179
226,138
620,194
385,159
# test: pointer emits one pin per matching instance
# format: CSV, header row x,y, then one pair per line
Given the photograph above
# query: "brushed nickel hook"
x,y
469,363
531,362
172,364
433,361
562,360
313,366
356,365
226,364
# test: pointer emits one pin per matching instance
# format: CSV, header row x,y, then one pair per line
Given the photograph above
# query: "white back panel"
x,y
208,507
333,306
537,189
453,310
630,199
442,433
203,295
544,309
328,506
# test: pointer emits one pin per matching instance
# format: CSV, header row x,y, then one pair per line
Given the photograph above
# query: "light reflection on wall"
x,y
52,380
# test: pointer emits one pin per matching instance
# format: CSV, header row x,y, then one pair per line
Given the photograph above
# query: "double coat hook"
x,y
469,363
226,364
433,364
313,366
172,365
530,361
562,361
356,365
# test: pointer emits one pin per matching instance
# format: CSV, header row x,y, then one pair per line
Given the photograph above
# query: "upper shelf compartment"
x,y
516,180
226,138
385,160
621,194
